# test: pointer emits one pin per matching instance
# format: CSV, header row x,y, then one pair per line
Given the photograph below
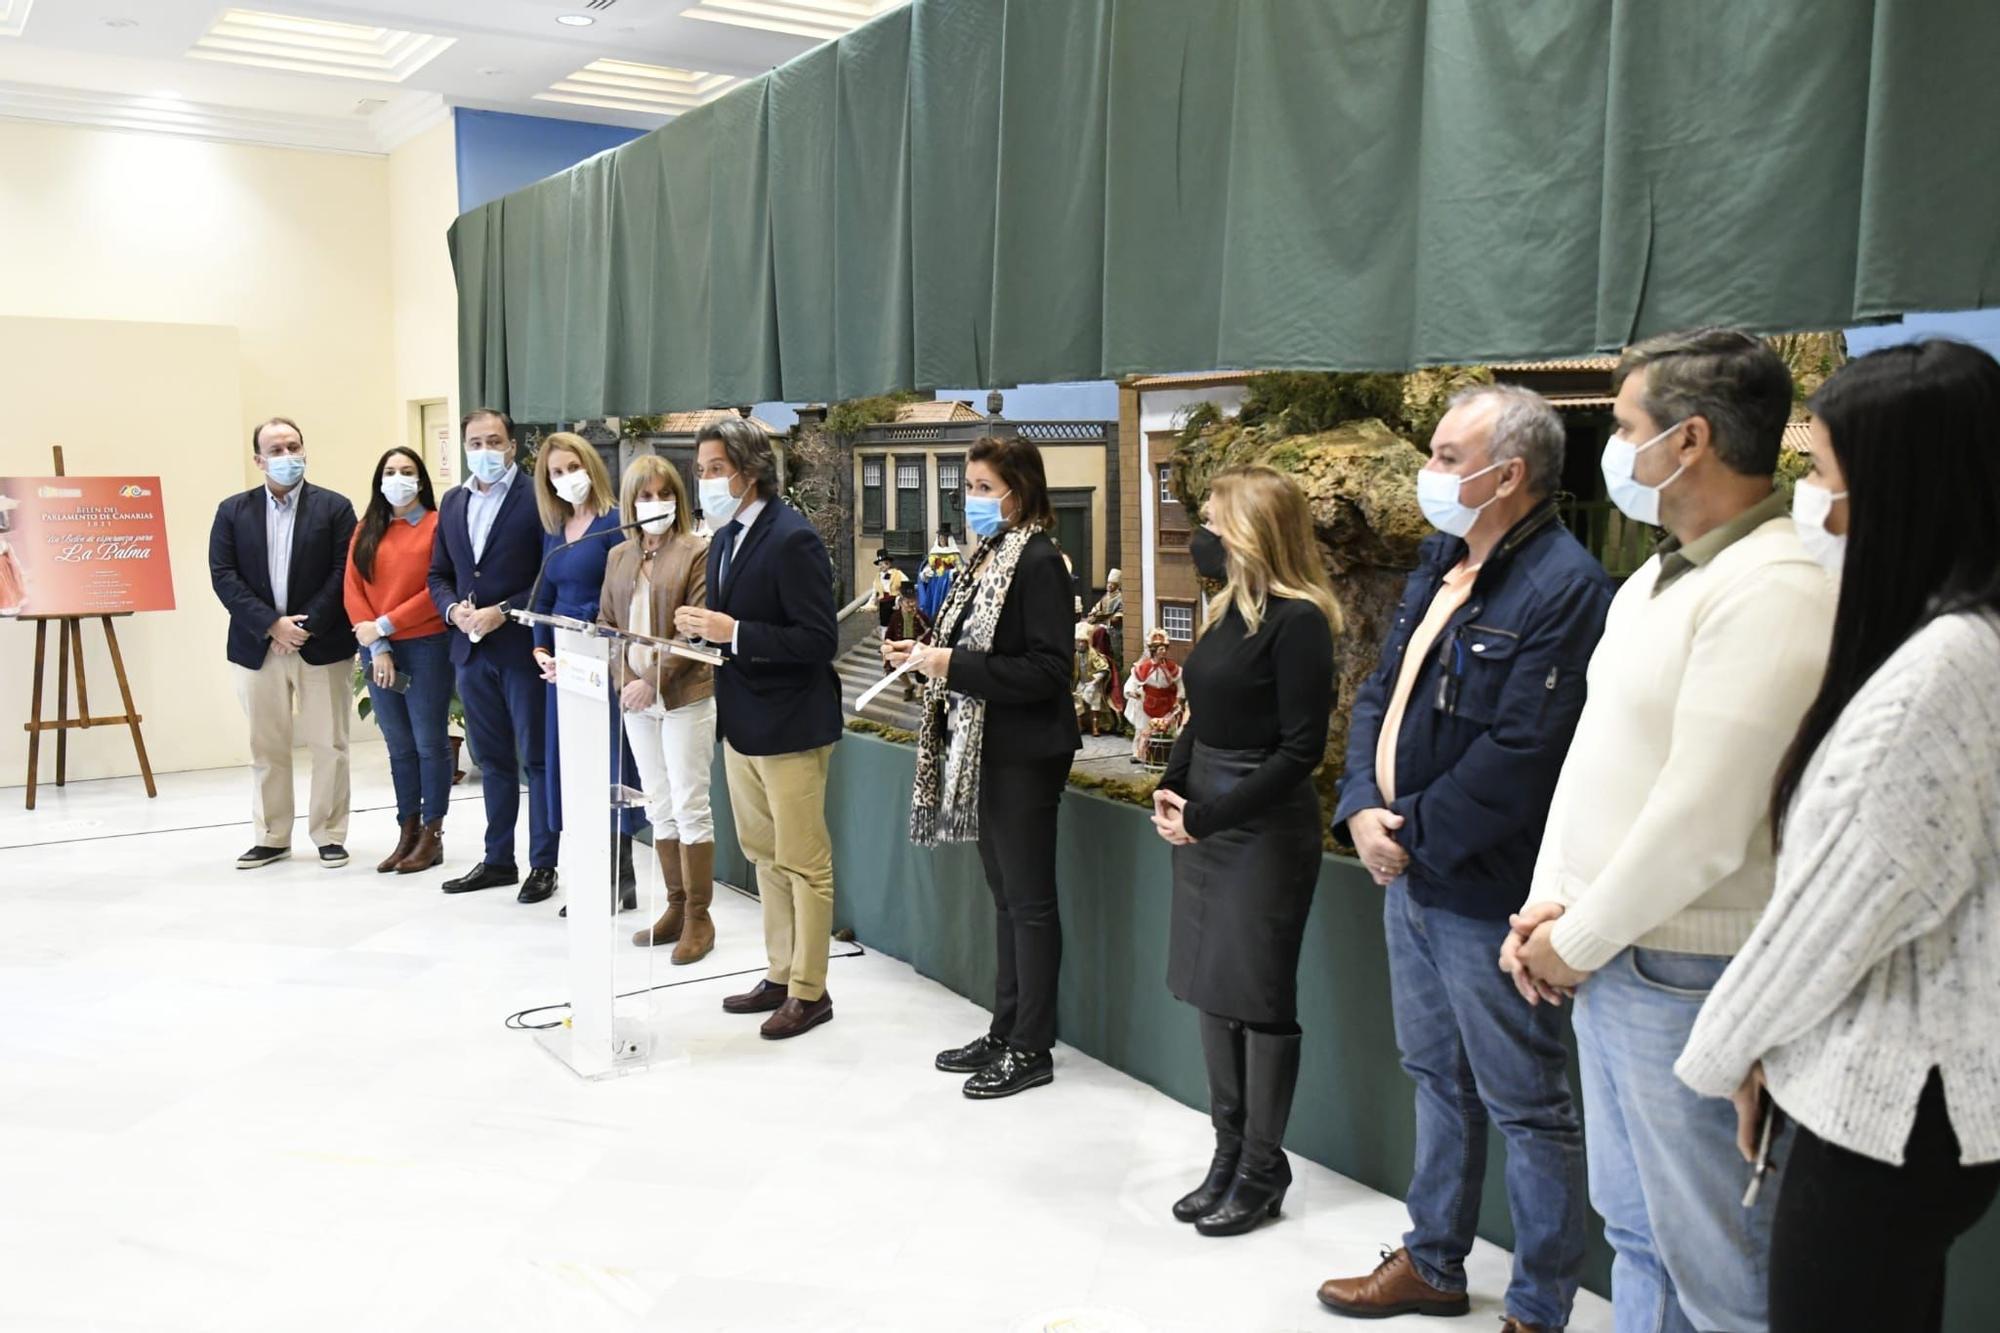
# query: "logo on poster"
x,y
133,492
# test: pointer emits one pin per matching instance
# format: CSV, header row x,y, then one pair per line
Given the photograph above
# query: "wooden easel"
x,y
69,635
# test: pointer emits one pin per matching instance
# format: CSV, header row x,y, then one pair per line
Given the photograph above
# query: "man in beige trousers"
x,y
777,707
277,556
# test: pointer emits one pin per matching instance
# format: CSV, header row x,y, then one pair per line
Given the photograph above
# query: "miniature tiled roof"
x,y
945,409
1581,363
1195,377
691,423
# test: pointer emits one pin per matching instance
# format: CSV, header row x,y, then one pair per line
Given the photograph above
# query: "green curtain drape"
x,y
1004,191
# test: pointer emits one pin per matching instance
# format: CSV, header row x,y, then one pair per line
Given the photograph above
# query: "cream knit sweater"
x,y
1658,834
1879,958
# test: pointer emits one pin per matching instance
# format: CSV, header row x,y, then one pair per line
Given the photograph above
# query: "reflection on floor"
x,y
284,1101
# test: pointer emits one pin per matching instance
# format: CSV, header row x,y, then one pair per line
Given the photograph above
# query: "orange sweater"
x,y
400,589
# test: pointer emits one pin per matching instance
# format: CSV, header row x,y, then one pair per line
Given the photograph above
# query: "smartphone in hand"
x,y
1762,1165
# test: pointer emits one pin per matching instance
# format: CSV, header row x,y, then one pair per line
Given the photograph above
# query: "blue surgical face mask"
x,y
1437,496
489,465
286,469
983,513
718,503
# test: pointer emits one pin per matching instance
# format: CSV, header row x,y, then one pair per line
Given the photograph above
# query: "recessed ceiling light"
x,y
316,46
819,19
624,85
575,20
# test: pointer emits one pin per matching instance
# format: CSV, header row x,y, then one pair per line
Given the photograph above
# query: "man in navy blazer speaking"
x,y
277,557
777,708
488,547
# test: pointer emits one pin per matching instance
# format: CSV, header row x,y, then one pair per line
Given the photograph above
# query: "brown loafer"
x,y
761,998
1395,1287
796,1016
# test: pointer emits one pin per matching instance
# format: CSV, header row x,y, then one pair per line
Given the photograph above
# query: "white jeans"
x,y
675,753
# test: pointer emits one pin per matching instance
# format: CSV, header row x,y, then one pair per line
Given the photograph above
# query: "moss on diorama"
x,y
850,417
882,731
1133,791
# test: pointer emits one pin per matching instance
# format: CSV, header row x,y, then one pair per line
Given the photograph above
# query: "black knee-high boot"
x,y
1263,1174
628,875
1222,1045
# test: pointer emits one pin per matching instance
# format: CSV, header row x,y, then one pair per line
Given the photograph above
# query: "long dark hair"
x,y
376,518
1916,430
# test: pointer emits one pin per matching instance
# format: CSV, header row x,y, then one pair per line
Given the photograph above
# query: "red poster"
x,y
83,546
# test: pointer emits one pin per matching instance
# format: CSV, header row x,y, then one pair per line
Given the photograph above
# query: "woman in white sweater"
x,y
1867,1001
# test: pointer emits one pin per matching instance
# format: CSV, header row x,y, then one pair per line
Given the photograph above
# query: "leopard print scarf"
x,y
944,803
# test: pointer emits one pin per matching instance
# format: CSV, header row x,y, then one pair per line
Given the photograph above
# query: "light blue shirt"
x,y
483,507
281,513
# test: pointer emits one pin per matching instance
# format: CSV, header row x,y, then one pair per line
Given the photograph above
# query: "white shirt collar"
x,y
500,486
747,515
285,501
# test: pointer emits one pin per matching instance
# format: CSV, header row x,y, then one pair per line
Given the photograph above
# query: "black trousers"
x,y
1857,1243
1017,843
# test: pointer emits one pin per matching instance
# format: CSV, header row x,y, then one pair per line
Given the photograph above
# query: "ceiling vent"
x,y
316,46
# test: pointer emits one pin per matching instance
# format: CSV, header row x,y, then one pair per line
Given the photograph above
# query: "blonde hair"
x,y
555,510
1267,530
653,468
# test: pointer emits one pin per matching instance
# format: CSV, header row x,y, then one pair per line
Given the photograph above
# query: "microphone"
x,y
535,590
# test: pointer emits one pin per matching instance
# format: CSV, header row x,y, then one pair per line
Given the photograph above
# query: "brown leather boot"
x,y
668,928
428,851
1395,1287
699,938
404,845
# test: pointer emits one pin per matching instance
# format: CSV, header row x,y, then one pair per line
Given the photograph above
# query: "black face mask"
x,y
1211,558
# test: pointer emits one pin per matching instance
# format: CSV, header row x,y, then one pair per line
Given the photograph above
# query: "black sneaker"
x,y
1015,1071
333,856
261,856
972,1057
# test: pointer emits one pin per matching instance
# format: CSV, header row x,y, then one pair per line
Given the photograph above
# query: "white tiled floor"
x,y
284,1101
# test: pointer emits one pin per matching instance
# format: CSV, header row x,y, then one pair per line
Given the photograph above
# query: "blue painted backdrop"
x,y
498,153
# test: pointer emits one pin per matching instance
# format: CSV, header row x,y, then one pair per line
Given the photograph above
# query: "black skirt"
x,y
1241,898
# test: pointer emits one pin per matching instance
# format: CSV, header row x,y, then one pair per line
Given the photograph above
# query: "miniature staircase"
x,y
860,667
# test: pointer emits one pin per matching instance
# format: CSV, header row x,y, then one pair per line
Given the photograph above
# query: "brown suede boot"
x,y
668,928
403,845
428,851
700,935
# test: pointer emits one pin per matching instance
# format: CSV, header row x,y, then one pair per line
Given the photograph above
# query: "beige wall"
x,y
423,201
326,294
290,248
172,397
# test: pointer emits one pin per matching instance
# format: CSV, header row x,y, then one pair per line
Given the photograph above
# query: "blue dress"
x,y
570,587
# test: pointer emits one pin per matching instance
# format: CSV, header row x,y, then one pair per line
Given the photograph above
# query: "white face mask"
x,y
1437,496
657,515
399,490
572,486
1811,506
1636,500
718,506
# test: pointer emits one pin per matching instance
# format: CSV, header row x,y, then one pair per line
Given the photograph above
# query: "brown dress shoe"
x,y
668,928
1394,1288
795,1016
761,998
699,936
1509,1324
428,851
403,845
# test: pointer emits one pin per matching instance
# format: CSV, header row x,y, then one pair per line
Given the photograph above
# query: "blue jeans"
x,y
417,725
1479,1052
1664,1171
504,716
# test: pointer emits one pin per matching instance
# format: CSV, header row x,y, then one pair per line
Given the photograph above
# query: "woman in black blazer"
x,y
994,754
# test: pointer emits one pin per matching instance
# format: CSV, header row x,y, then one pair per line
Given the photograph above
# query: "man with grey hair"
x,y
1658,859
1453,753
777,708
